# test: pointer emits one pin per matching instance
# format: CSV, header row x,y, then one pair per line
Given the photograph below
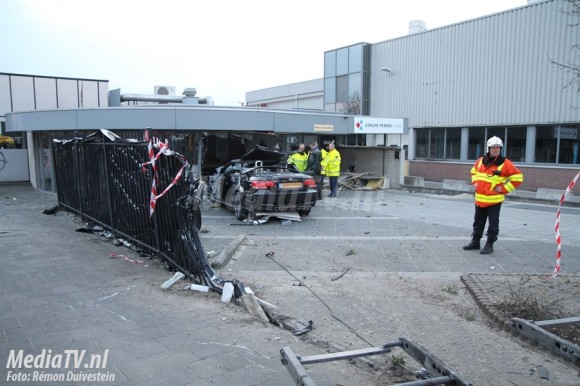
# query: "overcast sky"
x,y
222,48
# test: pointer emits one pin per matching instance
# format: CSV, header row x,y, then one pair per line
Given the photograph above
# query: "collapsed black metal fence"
x,y
102,179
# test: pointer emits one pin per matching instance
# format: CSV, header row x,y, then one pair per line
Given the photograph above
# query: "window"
x,y
453,143
546,144
342,88
329,64
342,61
476,143
437,143
422,147
355,58
516,144
347,80
569,137
329,90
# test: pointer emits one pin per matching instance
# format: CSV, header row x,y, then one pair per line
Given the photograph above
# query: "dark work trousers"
x,y
318,180
490,213
333,181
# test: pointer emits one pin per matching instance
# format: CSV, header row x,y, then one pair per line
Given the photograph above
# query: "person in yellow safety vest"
x,y
331,166
493,176
299,159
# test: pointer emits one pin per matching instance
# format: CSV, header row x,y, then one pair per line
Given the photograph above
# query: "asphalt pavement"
x,y
365,267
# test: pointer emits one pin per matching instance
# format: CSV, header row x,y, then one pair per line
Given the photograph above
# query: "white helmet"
x,y
494,141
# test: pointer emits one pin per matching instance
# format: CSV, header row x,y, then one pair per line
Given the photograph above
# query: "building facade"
x,y
504,74
26,156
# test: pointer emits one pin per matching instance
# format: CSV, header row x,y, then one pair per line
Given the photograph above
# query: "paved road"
x,y
61,290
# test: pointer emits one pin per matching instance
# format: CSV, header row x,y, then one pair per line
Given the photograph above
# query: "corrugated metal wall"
x,y
494,70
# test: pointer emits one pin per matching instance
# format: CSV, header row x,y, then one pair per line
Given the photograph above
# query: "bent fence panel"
x,y
102,179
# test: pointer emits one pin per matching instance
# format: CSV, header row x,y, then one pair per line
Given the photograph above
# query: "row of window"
x,y
551,144
346,80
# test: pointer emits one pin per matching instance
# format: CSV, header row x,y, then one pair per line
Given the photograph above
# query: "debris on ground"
x,y
173,280
303,328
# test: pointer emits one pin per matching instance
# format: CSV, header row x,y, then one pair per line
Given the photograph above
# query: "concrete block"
x,y
414,181
227,292
552,194
173,280
251,305
223,258
461,185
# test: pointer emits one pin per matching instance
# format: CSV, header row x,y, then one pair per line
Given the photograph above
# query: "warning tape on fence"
x,y
163,149
557,226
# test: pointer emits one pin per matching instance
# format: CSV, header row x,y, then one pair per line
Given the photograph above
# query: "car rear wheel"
x,y
304,212
239,210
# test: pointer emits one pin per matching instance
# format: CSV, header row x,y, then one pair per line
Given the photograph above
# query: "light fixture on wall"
x,y
387,70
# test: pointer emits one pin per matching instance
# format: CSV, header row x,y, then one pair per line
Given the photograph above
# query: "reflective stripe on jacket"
x,y
485,181
331,163
323,153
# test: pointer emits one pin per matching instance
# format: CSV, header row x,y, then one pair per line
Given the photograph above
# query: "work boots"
x,y
487,248
474,244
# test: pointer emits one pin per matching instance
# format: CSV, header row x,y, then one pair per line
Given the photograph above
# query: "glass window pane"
x,y
342,61
355,59
355,86
422,143
569,136
546,142
516,144
437,143
341,107
329,64
476,143
342,88
453,143
330,90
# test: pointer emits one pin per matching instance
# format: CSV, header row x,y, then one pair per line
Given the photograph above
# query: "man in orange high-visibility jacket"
x,y
493,176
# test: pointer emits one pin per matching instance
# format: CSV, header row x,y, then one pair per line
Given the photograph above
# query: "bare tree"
x,y
571,67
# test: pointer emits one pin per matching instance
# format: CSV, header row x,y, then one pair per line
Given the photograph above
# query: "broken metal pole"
x,y
557,322
545,338
444,375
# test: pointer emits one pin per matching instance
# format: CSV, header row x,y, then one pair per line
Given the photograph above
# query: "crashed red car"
x,y
262,182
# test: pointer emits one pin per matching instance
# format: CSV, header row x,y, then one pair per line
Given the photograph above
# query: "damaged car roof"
x,y
263,153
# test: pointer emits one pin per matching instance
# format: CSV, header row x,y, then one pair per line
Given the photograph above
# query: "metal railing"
x,y
102,179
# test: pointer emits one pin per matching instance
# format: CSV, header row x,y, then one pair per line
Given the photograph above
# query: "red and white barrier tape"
x,y
163,149
557,226
113,255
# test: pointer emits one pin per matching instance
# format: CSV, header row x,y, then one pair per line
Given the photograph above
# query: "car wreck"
x,y
262,183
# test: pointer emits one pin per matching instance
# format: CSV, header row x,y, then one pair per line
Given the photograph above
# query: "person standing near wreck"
x,y
493,176
299,158
331,167
313,166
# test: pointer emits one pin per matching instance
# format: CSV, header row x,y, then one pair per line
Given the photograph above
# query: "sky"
x,y
223,48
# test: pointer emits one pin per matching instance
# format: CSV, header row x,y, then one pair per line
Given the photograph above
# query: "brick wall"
x,y
535,177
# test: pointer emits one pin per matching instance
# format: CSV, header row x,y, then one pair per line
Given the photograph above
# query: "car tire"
x,y
304,212
239,210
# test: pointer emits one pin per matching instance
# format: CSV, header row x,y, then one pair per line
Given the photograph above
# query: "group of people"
x,y
319,163
493,176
